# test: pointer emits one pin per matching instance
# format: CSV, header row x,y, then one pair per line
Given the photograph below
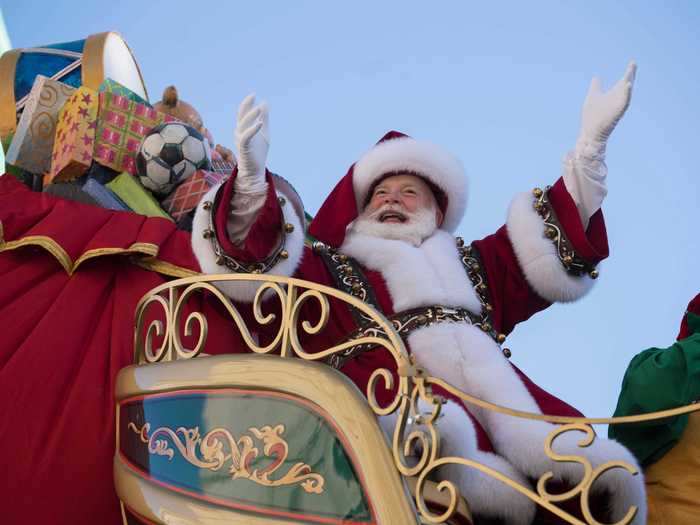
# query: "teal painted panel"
x,y
307,446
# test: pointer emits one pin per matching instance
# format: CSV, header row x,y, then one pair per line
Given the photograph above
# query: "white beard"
x,y
420,225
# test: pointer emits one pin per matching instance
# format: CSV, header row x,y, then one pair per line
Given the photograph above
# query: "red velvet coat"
x,y
512,297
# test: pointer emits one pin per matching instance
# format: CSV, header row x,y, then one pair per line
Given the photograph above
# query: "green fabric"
x,y
658,379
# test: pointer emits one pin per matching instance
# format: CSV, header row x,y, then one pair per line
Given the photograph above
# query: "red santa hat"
x,y
693,308
394,153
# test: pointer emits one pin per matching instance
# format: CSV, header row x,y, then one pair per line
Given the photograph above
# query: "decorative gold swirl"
x,y
415,440
213,451
143,344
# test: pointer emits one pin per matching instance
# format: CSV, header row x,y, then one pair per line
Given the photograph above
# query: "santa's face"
x,y
398,197
401,207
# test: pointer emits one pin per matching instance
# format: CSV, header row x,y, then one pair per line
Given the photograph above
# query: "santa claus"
x,y
385,234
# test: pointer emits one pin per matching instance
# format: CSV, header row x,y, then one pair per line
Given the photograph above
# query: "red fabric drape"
x,y
63,339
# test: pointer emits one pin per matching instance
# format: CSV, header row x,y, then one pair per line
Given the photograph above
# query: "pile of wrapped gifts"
x,y
82,144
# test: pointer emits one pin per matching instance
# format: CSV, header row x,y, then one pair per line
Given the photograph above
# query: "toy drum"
x,y
84,62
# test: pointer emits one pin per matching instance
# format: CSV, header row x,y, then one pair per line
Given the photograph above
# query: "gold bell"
x,y
476,267
284,254
208,234
537,192
347,270
486,327
421,320
356,287
207,205
488,308
343,258
482,287
594,274
550,233
507,352
288,228
282,201
501,338
568,259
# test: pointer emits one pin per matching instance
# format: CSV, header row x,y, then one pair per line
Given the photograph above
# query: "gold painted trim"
x,y
414,425
47,243
93,73
70,267
203,452
164,268
164,506
433,496
569,420
331,391
8,111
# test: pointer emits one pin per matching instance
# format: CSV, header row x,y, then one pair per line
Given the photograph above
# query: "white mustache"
x,y
390,208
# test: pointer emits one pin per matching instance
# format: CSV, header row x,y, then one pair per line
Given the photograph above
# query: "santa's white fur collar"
x,y
430,274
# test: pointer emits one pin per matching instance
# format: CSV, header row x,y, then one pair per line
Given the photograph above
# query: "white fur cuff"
x,y
537,255
244,291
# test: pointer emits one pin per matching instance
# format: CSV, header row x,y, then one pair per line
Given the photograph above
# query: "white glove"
x,y
602,111
252,142
584,169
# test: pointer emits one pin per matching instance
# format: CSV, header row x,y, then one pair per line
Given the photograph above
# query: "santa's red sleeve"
x,y
523,267
274,244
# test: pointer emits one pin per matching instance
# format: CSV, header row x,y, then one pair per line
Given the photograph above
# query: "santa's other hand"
x,y
603,110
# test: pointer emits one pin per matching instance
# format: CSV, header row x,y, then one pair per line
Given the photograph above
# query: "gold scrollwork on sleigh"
x,y
216,448
414,428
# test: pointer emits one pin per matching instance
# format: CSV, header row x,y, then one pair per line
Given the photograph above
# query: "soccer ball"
x,y
169,154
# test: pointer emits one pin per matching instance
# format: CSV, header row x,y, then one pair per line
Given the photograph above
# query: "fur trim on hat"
x,y
428,160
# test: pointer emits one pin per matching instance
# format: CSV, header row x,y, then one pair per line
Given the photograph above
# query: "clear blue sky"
x,y
498,83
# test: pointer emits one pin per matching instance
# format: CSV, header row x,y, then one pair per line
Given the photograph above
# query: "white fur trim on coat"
x,y
423,158
485,495
244,291
538,257
470,360
430,274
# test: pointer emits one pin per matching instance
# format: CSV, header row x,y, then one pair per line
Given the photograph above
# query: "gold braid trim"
x,y
138,248
236,266
570,260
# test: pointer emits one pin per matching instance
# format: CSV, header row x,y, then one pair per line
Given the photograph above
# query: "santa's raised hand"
x,y
584,168
603,110
252,143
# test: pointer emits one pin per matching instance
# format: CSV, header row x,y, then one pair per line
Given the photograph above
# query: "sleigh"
x,y
276,435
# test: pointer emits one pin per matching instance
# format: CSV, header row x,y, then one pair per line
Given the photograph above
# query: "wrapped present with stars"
x,y
33,140
75,137
121,126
